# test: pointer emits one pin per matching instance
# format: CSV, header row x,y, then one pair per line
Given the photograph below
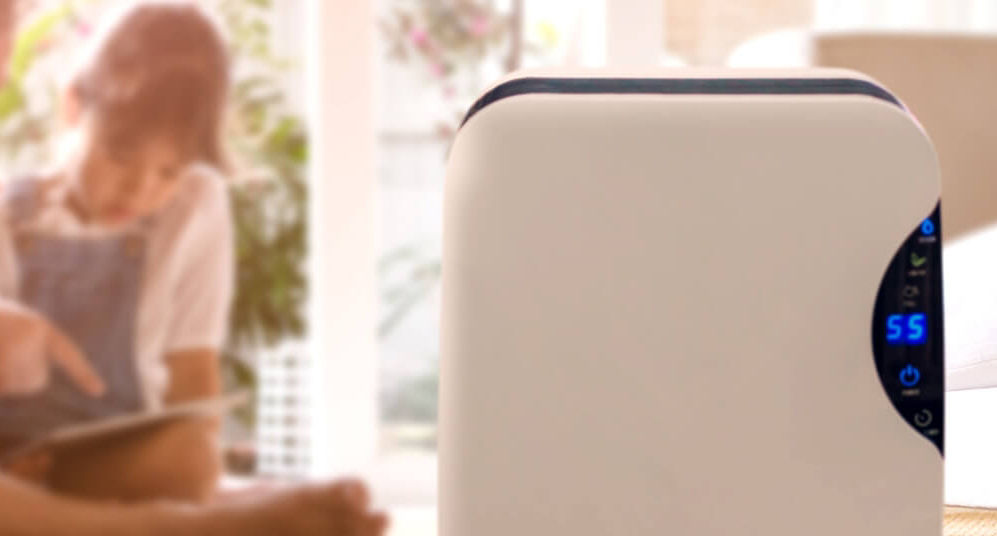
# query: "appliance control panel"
x,y
907,331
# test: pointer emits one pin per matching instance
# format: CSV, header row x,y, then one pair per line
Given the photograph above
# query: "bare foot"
x,y
338,509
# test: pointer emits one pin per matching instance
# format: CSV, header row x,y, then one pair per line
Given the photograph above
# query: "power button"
x,y
910,376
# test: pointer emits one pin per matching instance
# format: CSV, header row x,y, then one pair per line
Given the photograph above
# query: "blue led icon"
x,y
909,329
927,227
910,376
917,330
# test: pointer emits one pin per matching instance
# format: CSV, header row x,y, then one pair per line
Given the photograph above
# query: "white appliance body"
x,y
701,305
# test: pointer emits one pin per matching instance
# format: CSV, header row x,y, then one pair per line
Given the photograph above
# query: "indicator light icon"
x,y
910,292
917,261
927,227
910,376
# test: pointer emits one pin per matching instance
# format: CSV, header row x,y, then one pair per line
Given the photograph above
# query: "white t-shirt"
x,y
187,280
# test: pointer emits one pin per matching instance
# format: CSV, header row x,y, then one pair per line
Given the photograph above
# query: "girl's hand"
x,y
33,467
30,346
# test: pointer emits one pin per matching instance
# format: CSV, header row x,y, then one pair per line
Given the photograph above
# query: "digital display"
x,y
909,329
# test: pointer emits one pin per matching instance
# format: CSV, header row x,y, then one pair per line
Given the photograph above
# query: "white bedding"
x,y
970,277
970,445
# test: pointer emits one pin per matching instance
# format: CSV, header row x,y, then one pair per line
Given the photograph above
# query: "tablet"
x,y
110,426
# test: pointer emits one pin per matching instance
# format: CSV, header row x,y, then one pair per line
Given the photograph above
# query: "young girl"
x,y
30,343
126,250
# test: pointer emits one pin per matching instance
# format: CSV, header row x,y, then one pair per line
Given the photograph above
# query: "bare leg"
x,y
25,511
332,510
177,461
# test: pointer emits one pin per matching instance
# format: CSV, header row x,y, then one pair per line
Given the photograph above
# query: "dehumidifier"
x,y
703,304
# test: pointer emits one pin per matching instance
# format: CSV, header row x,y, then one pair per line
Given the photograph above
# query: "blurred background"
x,y
342,116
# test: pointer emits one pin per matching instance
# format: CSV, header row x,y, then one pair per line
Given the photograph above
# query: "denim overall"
x,y
88,287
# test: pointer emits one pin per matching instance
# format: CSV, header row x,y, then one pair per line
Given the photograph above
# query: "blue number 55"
x,y
916,330
895,329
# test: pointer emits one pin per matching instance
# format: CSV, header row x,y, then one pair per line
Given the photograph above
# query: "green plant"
x,y
270,209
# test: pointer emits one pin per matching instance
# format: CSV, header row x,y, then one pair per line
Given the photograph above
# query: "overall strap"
x,y
22,198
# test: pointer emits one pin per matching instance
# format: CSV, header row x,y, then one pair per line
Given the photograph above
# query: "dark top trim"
x,y
683,86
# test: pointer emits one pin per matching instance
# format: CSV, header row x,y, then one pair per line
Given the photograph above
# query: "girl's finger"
x,y
22,374
354,492
65,355
34,467
379,523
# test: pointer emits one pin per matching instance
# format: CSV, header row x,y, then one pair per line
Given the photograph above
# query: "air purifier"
x,y
691,304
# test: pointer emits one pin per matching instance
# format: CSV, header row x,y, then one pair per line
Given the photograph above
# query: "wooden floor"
x,y
970,522
958,522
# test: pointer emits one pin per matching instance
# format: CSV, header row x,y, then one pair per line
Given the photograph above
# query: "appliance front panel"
x,y
656,318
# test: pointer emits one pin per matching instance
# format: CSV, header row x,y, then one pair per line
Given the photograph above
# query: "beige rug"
x,y
970,522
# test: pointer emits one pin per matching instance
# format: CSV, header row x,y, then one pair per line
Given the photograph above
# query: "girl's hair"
x,y
158,69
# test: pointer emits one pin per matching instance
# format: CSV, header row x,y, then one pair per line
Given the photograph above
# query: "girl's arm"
x,y
201,302
194,375
179,460
197,333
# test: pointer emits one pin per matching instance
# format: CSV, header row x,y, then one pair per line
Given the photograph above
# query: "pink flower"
x,y
479,26
419,37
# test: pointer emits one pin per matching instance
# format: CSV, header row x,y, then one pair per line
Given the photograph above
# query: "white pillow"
x,y
969,271
970,443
